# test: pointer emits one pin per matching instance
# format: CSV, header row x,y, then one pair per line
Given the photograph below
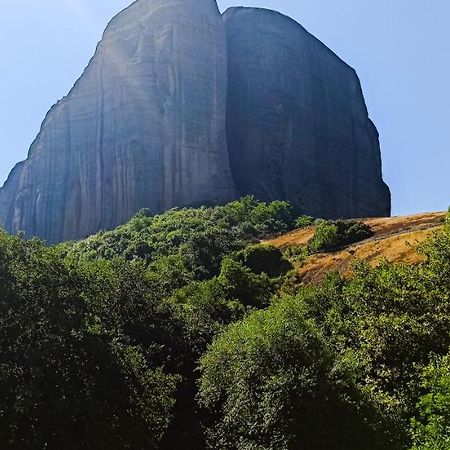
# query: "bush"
x,y
298,254
266,259
431,429
69,378
100,340
325,237
202,236
332,234
272,382
304,221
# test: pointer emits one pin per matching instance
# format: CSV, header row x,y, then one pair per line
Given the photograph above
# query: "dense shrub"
x,y
69,377
333,234
380,328
304,221
273,382
264,259
431,429
201,237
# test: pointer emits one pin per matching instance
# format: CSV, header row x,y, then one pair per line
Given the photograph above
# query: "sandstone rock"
x,y
298,127
144,126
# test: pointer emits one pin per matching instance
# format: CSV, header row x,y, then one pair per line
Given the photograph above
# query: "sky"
x,y
400,49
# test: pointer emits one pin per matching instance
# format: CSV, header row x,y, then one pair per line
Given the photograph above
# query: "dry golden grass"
x,y
396,240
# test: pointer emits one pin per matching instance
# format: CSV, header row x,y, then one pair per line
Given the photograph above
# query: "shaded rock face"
x,y
298,127
147,125
143,127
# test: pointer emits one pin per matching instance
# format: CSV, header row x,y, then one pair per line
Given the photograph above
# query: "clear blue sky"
x,y
400,49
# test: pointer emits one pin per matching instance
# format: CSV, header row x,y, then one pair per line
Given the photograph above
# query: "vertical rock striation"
x,y
298,127
147,125
144,126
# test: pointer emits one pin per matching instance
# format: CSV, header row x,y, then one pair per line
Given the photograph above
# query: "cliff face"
x,y
147,124
143,127
298,128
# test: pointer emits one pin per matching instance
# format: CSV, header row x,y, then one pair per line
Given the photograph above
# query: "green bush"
x,y
273,382
304,221
330,235
431,429
263,258
297,254
325,237
202,236
69,378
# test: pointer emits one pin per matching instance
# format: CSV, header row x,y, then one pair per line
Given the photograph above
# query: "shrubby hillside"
x,y
183,331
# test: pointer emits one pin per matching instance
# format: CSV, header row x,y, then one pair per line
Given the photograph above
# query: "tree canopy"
x,y
183,331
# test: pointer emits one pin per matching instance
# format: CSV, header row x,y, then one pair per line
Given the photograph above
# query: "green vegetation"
x,y
195,240
431,430
181,331
330,235
305,221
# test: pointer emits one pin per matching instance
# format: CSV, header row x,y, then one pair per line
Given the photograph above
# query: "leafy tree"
x,y
68,376
304,221
431,429
332,234
273,382
264,258
325,237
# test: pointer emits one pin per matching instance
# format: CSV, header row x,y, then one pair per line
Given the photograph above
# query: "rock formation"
x,y
298,127
143,127
147,125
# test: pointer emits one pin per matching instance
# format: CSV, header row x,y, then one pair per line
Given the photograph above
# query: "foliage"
x,y
304,221
272,382
431,430
332,234
264,259
200,237
69,378
102,340
380,328
100,337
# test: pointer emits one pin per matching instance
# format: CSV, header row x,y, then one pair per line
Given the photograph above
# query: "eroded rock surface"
x,y
143,127
298,127
147,125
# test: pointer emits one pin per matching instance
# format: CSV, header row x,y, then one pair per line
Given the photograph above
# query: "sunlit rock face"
x,y
298,127
157,118
144,126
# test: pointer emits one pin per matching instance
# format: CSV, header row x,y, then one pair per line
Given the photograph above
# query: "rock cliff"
x,y
144,126
158,120
298,127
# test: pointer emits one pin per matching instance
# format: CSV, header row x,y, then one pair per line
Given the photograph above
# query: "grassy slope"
x,y
396,240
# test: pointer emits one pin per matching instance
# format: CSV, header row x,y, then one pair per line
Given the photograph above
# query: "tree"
x,y
431,429
272,382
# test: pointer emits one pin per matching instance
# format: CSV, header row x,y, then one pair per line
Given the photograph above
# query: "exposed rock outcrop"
x,y
143,127
298,127
147,125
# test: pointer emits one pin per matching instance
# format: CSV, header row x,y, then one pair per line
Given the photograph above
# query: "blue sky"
x,y
400,49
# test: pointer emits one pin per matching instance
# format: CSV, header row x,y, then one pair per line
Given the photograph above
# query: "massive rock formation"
x,y
143,127
298,127
146,126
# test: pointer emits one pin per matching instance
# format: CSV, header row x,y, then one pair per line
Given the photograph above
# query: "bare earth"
x,y
396,240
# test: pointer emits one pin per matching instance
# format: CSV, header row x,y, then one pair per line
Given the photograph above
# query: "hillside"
x,y
395,240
